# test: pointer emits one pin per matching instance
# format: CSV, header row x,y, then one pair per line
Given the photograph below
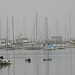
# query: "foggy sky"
x,y
20,9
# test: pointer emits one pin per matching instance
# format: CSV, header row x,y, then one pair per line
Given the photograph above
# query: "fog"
x,y
57,11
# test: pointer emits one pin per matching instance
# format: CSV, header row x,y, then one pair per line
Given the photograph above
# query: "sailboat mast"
x,y
46,28
13,28
70,24
36,26
34,31
7,29
0,29
24,27
56,26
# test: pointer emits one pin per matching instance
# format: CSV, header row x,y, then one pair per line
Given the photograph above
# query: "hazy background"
x,y
20,9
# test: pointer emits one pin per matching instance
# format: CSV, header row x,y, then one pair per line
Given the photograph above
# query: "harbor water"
x,y
62,63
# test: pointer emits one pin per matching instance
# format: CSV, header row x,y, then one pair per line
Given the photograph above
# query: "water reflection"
x,y
4,66
42,62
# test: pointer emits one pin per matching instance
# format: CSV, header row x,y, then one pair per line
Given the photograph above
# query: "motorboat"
x,y
8,47
71,44
50,47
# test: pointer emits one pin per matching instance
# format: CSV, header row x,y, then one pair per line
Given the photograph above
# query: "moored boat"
x,y
50,47
8,47
71,44
4,62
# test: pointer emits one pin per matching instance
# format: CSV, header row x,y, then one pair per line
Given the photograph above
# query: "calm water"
x,y
63,62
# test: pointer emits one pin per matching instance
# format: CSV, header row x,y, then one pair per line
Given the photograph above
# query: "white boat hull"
x,y
50,48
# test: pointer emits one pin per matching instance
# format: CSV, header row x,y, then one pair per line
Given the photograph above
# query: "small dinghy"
x,y
4,62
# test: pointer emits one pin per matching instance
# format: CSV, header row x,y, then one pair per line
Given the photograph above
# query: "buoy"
x,y
49,59
28,60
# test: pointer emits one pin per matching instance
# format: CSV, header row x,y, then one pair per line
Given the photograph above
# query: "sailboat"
x,y
71,43
35,45
8,46
59,44
47,46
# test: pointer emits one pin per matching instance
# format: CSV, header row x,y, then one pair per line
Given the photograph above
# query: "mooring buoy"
x,y
28,60
49,59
